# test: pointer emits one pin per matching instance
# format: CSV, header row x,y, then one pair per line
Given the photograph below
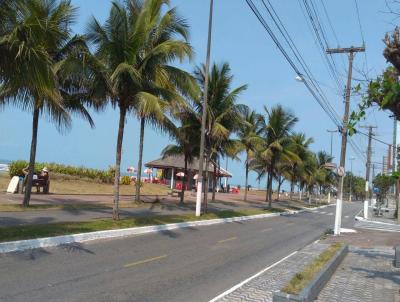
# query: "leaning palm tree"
x,y
276,130
37,51
248,138
223,113
133,48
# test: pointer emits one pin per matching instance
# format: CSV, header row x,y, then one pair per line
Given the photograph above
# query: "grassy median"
x,y
66,228
300,280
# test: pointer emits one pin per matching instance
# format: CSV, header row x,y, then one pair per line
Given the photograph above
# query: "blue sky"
x,y
239,39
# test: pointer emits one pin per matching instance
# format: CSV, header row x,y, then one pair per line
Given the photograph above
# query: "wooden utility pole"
x,y
351,51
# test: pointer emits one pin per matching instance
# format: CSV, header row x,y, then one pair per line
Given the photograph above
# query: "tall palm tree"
x,y
187,143
276,130
133,48
300,146
248,138
223,113
325,176
37,51
166,40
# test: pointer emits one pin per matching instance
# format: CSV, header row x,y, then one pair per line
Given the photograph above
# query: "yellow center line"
x,y
145,261
228,239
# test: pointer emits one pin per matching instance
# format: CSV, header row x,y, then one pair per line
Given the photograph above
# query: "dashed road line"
x,y
145,261
227,239
266,230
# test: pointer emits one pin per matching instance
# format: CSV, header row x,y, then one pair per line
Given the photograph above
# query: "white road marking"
x,y
251,278
346,216
329,214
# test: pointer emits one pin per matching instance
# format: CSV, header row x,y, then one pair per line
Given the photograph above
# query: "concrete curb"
x,y
311,291
22,245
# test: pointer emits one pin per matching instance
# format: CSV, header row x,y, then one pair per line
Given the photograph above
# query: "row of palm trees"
x,y
128,62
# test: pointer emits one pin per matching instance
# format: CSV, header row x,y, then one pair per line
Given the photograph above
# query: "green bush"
x,y
125,180
106,176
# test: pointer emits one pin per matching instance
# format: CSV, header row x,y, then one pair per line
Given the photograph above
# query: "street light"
x,y
204,116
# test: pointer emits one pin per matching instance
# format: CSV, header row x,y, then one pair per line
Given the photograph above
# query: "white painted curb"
x,y
22,245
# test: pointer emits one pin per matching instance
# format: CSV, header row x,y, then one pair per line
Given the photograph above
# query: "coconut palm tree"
x,y
223,113
248,138
187,143
166,40
300,146
37,50
134,47
276,129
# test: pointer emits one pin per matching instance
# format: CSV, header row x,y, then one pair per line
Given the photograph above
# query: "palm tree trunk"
x,y
247,177
206,185
122,115
291,189
279,185
269,189
184,180
214,185
139,173
32,157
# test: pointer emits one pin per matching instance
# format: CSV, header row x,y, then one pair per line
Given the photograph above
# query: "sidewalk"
x,y
261,288
89,207
365,275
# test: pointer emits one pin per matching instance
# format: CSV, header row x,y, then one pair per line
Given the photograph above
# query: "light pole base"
x,y
198,198
366,209
338,217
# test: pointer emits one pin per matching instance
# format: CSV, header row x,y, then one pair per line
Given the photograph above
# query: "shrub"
x,y
125,180
106,176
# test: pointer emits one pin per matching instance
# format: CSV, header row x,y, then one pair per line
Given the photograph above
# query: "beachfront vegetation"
x,y
105,176
39,55
132,68
134,48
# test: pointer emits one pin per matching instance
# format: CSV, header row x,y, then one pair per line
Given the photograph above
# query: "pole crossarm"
x,y
345,50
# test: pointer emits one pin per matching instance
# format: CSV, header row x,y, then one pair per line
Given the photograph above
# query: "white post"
x,y
366,200
198,197
329,197
172,178
338,217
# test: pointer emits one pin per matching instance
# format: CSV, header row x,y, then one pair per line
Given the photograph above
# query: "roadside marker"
x,y
227,292
145,261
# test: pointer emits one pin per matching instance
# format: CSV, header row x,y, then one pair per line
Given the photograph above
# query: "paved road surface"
x,y
195,264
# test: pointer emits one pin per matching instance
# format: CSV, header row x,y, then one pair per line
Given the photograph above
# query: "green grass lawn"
x,y
56,229
300,280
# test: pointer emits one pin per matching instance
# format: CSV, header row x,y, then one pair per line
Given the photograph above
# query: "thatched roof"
x,y
178,162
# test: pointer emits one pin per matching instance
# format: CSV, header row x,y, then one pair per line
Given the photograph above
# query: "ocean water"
x,y
4,165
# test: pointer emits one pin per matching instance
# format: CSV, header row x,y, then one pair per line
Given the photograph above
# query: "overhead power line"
x,y
308,82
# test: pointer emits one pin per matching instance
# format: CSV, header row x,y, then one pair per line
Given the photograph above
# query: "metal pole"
x,y
331,132
351,178
204,115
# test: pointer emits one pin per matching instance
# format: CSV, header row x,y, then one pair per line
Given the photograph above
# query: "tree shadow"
x,y
374,274
76,247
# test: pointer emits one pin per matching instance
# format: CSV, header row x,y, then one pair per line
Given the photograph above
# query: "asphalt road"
x,y
195,264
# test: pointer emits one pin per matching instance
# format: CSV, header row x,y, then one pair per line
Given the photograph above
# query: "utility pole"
x,y
331,132
351,178
204,116
351,51
368,169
